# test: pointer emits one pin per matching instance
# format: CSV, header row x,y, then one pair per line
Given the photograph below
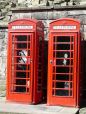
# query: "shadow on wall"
x,y
83,101
45,71
83,79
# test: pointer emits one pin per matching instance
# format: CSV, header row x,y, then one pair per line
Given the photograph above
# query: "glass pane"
x,y
62,69
21,67
62,77
61,47
62,93
62,39
61,54
21,74
21,45
20,62
21,38
20,89
63,85
62,61
20,82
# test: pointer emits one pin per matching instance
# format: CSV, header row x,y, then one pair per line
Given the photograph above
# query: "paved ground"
x,y
82,110
15,108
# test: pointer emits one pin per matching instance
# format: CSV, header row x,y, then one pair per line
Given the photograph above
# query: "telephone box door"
x,y
62,69
21,63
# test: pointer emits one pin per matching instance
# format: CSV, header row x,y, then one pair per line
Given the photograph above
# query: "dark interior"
x,y
20,60
62,57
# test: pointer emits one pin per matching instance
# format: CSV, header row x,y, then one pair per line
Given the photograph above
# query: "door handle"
x,y
31,60
51,61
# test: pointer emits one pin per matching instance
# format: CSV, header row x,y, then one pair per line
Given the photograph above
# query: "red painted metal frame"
x,y
33,95
54,98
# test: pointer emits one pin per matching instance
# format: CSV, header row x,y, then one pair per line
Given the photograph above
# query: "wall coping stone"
x,y
3,25
48,8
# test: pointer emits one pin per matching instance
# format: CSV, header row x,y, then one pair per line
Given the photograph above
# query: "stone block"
x,y
3,4
21,1
39,15
43,2
25,15
82,2
3,65
4,12
4,52
51,15
0,46
2,88
46,32
59,14
18,108
35,2
27,3
46,23
20,15
3,94
15,16
85,36
2,82
2,77
63,4
51,2
82,111
1,35
85,28
59,2
77,12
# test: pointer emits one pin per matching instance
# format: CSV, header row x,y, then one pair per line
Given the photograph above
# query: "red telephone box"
x,y
64,68
25,61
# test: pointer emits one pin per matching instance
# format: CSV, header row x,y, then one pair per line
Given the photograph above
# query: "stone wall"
x,y
29,3
49,15
6,5
3,60
46,16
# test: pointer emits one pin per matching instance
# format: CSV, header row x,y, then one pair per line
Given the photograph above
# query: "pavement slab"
x,y
16,108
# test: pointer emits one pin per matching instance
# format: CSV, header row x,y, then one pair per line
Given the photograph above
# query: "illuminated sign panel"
x,y
64,27
22,27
